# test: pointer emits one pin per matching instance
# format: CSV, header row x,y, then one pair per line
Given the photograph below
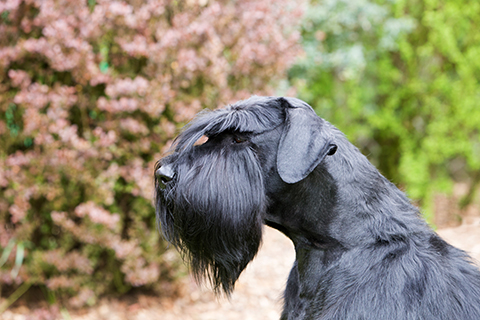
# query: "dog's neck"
x,y
349,181
320,239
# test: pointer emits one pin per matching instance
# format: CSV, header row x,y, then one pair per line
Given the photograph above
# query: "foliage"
x,y
401,79
90,92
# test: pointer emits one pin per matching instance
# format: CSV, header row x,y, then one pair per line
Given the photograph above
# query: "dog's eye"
x,y
332,150
238,139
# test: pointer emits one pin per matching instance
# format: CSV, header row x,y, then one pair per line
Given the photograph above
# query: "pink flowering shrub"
x,y
91,93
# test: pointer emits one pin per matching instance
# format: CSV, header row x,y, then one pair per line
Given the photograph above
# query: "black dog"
x,y
362,249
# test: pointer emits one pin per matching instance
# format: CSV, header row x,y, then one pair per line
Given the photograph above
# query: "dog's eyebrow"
x,y
255,119
242,118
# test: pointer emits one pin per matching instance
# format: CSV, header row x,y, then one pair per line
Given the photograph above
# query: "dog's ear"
x,y
304,142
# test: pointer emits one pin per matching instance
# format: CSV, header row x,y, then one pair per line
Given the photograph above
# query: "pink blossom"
x,y
9,5
97,214
19,78
60,282
133,126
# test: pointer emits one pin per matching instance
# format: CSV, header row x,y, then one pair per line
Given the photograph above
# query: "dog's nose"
x,y
165,174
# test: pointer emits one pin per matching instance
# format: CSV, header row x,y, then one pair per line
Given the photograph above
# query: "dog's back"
x,y
421,277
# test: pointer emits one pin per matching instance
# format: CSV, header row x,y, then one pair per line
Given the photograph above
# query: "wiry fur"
x,y
362,249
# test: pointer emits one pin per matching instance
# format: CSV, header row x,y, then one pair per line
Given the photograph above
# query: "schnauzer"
x,y
362,249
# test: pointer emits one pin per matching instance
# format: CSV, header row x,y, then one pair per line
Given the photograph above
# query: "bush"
x,y
402,80
90,93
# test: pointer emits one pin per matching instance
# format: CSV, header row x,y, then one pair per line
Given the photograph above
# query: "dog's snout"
x,y
165,174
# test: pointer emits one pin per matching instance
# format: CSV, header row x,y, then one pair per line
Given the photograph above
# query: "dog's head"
x,y
212,197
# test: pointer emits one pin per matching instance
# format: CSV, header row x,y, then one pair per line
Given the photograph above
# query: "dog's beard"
x,y
214,213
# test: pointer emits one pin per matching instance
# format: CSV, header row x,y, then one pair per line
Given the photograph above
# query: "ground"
x,y
258,294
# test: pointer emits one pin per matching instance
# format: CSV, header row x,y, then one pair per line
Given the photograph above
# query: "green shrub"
x,y
401,79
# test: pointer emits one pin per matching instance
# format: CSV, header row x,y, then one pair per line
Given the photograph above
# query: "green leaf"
x,y
103,66
18,259
6,252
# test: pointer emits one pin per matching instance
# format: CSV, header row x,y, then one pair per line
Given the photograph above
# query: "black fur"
x,y
362,249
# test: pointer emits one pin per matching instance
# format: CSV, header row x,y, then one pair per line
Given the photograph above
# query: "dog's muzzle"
x,y
164,175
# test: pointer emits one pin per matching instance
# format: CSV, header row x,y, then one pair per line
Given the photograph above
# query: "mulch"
x,y
258,293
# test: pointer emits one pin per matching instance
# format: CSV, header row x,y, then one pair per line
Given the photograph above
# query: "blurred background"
x,y
92,93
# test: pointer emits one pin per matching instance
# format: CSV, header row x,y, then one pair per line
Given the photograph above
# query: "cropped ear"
x,y
304,142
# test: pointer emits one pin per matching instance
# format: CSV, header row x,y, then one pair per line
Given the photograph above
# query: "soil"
x,y
258,293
